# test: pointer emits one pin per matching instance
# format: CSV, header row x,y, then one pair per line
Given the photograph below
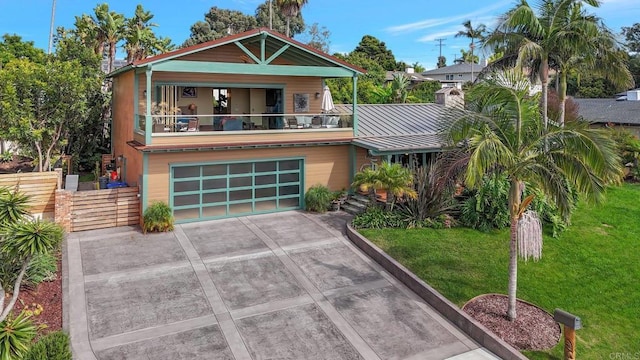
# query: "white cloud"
x,y
438,35
429,23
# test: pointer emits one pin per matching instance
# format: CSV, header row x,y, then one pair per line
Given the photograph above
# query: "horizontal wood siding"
x,y
39,186
230,53
328,165
100,209
248,137
123,125
362,158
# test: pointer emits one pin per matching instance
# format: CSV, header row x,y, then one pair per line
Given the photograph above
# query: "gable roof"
x,y
396,128
240,37
609,111
462,68
411,76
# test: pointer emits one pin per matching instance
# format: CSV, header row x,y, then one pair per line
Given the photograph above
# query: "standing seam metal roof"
x,y
398,127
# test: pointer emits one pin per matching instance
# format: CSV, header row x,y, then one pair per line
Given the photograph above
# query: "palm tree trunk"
x,y
562,97
544,80
112,55
288,23
514,206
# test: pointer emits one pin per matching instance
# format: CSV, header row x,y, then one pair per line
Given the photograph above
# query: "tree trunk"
x,y
515,199
562,97
112,55
544,80
16,291
288,23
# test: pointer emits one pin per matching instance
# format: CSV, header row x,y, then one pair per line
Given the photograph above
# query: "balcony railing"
x,y
186,124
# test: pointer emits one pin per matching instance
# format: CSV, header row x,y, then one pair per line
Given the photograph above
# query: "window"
x,y
449,76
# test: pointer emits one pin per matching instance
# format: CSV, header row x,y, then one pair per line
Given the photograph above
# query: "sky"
x,y
408,27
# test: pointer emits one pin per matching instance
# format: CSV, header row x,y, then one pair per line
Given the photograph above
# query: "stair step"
x,y
361,198
351,209
357,204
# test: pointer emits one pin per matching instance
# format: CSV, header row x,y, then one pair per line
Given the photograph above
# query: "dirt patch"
x,y
17,164
48,295
533,329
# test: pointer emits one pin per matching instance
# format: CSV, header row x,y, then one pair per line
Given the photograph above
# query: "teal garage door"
x,y
211,191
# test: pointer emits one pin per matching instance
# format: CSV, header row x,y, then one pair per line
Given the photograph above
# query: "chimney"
x,y
409,70
633,95
450,97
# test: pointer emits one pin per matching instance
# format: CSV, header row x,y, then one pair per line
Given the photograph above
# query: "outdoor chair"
x,y
316,122
193,125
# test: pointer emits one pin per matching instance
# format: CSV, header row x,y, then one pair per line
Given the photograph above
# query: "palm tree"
x,y
502,132
473,34
140,40
290,8
533,40
593,48
395,179
110,25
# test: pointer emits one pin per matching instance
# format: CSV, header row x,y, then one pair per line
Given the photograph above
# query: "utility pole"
x,y
440,45
53,15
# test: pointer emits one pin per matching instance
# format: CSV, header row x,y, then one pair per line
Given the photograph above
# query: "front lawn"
x,y
591,270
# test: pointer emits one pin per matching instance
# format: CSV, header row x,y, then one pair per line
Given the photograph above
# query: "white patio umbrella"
x,y
327,100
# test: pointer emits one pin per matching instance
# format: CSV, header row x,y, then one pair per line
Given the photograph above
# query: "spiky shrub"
x,y
434,197
16,335
158,218
14,205
318,198
53,346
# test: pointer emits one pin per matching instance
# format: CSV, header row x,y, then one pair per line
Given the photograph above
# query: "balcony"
x,y
245,128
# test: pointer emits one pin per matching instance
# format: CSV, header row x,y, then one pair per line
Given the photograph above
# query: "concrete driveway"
x,y
278,286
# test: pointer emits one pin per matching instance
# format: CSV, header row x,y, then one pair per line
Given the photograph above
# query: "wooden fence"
x,y
97,209
40,186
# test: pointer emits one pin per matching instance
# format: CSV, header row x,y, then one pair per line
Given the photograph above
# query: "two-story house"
x,y
455,75
233,126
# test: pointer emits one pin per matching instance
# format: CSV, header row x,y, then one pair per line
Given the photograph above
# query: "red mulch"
x,y
533,329
49,296
18,164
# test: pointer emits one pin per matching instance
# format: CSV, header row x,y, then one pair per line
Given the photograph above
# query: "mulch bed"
x,y
533,329
18,164
48,294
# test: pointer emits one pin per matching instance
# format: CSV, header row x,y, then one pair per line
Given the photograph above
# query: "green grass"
x,y
591,270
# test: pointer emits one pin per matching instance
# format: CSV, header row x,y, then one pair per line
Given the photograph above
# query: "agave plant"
x,y
14,205
15,336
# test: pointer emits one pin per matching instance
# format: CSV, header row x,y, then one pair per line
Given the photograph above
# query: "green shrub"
x,y
6,157
486,207
377,218
16,335
318,198
53,346
42,267
157,218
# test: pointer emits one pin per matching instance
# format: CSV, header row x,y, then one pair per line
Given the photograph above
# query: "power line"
x,y
440,45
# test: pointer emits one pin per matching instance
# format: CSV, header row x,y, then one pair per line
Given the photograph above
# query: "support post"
x,y
571,323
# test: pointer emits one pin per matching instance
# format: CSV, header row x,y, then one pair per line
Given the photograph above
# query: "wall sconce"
x,y
317,95
144,92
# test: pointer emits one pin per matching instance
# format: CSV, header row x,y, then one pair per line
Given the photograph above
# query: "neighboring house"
x,y
232,126
414,77
455,75
117,63
623,111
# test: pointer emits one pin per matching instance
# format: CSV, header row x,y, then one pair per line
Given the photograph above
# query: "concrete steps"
x,y
356,204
